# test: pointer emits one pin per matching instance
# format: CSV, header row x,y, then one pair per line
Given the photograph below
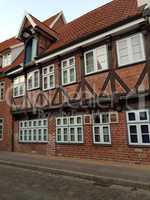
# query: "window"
x,y
30,50
48,77
69,129
6,59
138,127
19,86
2,88
33,131
1,128
96,60
68,71
101,128
33,80
130,50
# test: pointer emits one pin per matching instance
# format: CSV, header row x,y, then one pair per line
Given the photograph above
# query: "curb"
x,y
98,180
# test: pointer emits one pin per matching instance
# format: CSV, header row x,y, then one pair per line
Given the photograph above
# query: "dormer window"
x,y
30,50
6,59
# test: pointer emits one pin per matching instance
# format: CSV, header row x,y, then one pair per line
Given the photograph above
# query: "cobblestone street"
x,y
16,184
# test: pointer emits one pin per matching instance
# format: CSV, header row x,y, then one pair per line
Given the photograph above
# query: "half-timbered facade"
x,y
82,89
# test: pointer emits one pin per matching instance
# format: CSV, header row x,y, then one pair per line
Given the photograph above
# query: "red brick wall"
x,y
5,113
119,150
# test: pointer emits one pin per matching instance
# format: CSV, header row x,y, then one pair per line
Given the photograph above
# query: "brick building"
x,y
79,89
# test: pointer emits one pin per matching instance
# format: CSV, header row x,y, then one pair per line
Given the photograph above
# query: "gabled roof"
x,y
50,22
96,21
35,23
8,43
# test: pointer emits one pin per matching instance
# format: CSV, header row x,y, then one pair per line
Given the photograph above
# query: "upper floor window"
x,y
131,50
6,59
68,71
48,77
138,127
33,80
30,50
2,88
19,86
96,60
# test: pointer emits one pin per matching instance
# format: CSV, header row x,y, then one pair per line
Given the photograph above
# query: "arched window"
x,y
30,50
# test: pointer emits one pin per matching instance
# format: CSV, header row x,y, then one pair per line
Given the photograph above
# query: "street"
x,y
20,184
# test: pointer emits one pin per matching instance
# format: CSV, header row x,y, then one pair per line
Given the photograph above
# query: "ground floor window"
x,y
33,131
101,128
138,122
69,129
1,128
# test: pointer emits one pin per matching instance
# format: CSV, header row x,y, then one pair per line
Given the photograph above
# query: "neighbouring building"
x,y
79,89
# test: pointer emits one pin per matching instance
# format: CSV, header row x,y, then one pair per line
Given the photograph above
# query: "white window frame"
x,y
138,123
101,125
68,126
1,138
29,126
2,88
95,60
18,85
68,68
32,73
48,77
6,59
131,59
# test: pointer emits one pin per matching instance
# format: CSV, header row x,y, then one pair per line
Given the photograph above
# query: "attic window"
x,y
6,59
30,50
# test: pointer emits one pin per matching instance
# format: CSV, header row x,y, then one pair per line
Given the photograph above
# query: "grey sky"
x,y
12,11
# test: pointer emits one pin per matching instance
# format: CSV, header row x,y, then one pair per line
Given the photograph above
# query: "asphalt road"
x,y
19,184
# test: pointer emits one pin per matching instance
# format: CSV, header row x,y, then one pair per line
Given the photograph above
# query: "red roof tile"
x,y
50,20
8,43
96,20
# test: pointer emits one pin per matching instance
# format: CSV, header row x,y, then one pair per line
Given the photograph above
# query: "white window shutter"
x,y
123,52
101,58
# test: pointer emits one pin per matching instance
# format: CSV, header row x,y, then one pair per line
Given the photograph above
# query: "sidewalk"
x,y
103,173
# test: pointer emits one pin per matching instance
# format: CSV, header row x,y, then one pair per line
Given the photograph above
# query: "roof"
x,y
43,26
50,20
97,20
8,43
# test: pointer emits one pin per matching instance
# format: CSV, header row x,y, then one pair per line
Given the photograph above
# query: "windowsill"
x,y
33,142
102,144
46,90
64,143
130,64
17,97
139,145
97,72
33,89
68,84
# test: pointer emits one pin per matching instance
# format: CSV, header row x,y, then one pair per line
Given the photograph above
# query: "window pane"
x,y
72,134
89,62
97,134
72,75
36,79
143,115
105,118
65,77
97,119
123,52
131,116
136,48
146,138
101,58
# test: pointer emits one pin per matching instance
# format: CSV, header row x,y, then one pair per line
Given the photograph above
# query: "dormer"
x,y
36,36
